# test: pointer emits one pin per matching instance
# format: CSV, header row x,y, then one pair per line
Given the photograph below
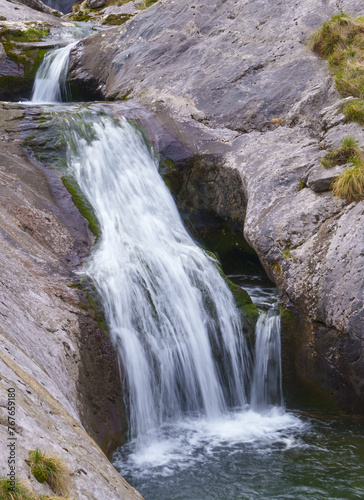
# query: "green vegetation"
x,y
147,3
17,491
302,184
82,204
350,184
354,110
341,41
345,153
287,254
51,469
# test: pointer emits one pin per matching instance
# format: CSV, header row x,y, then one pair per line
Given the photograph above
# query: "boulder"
x,y
321,179
234,82
95,4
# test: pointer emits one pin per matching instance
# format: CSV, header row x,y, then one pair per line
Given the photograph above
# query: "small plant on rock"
x,y
348,150
341,41
17,490
51,469
350,184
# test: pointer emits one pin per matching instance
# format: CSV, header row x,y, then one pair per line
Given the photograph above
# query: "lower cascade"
x,y
171,313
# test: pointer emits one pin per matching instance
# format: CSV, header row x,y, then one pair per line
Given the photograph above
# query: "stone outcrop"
x,y
234,83
39,5
53,352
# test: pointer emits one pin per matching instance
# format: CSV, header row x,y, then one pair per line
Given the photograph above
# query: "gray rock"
x,y
62,367
95,4
320,179
39,5
234,80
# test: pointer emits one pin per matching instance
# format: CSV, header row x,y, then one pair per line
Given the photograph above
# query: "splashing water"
x,y
50,81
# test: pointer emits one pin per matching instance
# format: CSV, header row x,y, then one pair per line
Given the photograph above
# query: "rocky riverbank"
x,y
54,353
255,111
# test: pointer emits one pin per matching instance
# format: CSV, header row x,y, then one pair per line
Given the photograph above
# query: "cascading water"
x,y
50,81
178,333
267,380
170,312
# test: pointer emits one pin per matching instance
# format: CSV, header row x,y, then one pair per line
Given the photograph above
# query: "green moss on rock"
x,y
82,204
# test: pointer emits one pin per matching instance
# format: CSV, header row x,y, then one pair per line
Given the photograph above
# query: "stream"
x,y
206,414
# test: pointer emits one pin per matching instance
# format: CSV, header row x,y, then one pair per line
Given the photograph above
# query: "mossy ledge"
x,y
82,204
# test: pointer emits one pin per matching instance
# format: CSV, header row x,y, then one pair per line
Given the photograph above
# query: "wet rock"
x,y
234,81
53,352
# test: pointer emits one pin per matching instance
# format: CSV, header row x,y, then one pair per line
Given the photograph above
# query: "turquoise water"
x,y
313,456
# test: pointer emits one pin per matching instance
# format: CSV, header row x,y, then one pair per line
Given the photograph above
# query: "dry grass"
x,y
20,491
350,184
51,469
341,41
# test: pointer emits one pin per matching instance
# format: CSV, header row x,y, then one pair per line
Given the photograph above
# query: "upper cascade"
x,y
50,81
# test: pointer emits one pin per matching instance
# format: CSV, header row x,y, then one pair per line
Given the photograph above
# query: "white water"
x,y
267,381
50,82
170,312
184,359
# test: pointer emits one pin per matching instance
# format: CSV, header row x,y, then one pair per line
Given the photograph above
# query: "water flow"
x,y
267,381
171,314
50,81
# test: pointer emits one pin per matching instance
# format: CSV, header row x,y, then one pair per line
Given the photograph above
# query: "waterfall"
x,y
50,81
267,380
171,314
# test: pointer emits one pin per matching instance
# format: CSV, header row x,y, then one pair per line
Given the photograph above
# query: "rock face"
x,y
235,84
53,353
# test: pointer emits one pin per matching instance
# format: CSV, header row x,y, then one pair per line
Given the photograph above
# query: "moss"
x,y
125,96
276,267
81,16
287,254
147,3
82,204
117,20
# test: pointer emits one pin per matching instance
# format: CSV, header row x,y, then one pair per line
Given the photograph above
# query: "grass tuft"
x,y
341,41
20,490
354,111
350,184
51,469
349,149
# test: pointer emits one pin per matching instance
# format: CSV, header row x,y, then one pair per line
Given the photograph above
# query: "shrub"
x,y
19,491
51,469
349,149
350,184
